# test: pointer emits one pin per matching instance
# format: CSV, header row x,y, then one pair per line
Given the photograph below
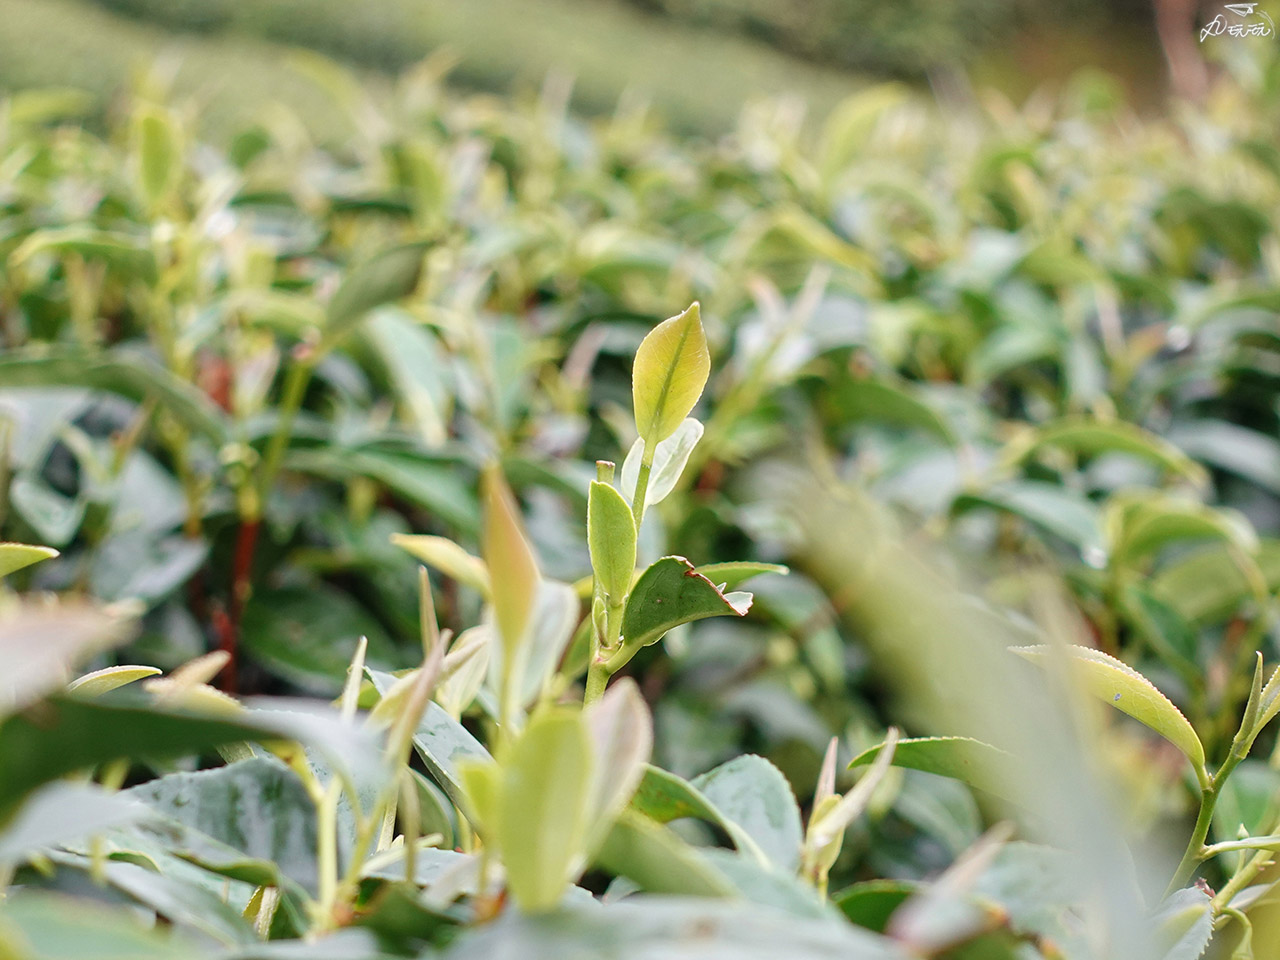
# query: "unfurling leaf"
x,y
1118,684
671,368
446,556
611,535
669,460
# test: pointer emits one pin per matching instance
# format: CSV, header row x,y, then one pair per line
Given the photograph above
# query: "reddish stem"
x,y
241,588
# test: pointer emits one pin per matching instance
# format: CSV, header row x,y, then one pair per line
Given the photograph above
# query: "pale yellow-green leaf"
x,y
15,556
1118,684
671,368
542,808
447,557
104,681
513,572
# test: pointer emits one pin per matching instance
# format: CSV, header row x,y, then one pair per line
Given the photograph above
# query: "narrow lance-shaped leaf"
x,y
671,368
513,572
970,761
611,536
387,277
1118,684
15,556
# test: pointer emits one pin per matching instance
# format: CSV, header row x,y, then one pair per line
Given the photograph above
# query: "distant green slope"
x,y
698,79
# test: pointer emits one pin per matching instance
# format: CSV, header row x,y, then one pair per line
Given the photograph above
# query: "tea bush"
x,y
953,382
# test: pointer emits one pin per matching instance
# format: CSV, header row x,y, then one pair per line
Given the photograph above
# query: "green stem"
x,y
597,679
295,388
1210,788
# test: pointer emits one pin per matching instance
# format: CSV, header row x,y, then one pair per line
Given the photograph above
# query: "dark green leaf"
x,y
671,592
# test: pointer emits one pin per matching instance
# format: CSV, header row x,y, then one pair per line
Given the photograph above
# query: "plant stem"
x,y
295,388
1210,788
597,680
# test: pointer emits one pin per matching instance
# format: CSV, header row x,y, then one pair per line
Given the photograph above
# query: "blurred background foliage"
x,y
1040,331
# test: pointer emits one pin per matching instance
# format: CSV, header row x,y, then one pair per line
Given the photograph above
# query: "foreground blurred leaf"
x,y
39,644
61,813
63,735
545,781
52,926
15,556
657,860
652,927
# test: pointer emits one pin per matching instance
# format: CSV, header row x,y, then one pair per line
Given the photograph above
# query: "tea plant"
x,y
246,386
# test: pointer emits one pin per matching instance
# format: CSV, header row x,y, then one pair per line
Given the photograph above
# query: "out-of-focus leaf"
x,y
53,926
965,759
305,633
670,927
388,276
513,571
156,146
40,643
15,556
1091,437
1207,585
1142,524
870,903
126,255
894,404
1239,450
657,860
546,780
671,592
60,813
1124,688
1060,511
420,375
622,740
110,678
132,377
63,735
446,556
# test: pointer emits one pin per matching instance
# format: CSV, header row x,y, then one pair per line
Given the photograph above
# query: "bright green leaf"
x,y
513,572
111,678
1127,690
671,592
15,556
970,761
611,535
